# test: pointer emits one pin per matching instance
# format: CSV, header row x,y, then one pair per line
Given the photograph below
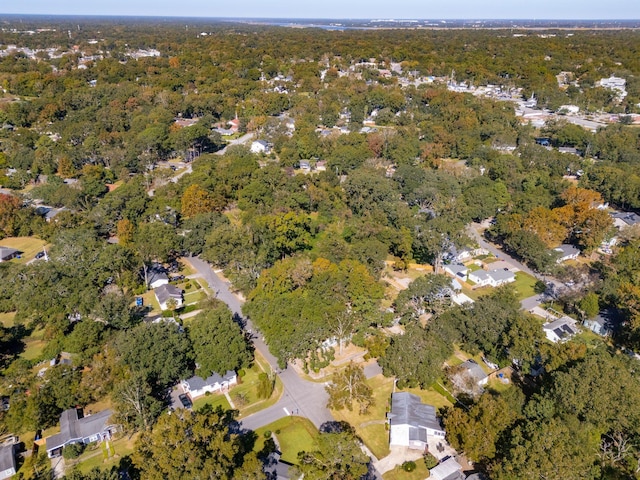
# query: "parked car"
x,y
185,400
39,254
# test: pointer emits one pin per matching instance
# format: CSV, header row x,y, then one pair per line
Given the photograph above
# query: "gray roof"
x,y
567,250
449,469
6,252
7,458
474,370
456,269
196,383
407,409
630,218
165,292
501,274
157,273
563,327
73,428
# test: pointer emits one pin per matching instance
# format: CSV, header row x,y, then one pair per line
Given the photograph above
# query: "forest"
x,y
139,137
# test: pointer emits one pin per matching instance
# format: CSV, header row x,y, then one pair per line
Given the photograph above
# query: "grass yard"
x,y
149,299
371,426
6,319
297,434
431,397
29,246
194,297
420,473
216,400
249,386
34,345
524,285
98,455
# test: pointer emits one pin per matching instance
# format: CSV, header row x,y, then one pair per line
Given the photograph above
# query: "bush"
x,y
72,451
409,466
267,434
430,461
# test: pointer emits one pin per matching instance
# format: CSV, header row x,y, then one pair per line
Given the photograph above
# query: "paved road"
x,y
301,397
238,141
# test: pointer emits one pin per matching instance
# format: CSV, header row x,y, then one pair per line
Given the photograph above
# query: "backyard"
x,y
28,246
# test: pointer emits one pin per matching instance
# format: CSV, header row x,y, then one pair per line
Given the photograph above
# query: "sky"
x,y
336,9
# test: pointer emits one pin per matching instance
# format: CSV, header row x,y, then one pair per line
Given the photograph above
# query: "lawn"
x,y
371,426
34,345
6,319
524,285
193,297
420,473
149,299
296,434
97,453
29,246
215,401
431,397
249,386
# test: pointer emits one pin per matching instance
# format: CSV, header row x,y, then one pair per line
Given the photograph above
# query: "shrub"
x,y
409,466
430,461
267,434
73,451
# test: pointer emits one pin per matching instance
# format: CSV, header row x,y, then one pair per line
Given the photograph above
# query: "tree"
x,y
125,232
427,294
198,444
156,351
218,341
135,406
415,358
338,457
349,385
196,200
9,206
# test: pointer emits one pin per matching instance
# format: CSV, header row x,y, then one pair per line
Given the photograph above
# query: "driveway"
x,y
300,397
238,141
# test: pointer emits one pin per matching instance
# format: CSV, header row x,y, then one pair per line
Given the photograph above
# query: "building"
x,y
450,469
197,386
74,428
474,372
625,219
157,276
7,461
411,422
561,329
165,293
7,253
456,270
567,252
493,278
260,146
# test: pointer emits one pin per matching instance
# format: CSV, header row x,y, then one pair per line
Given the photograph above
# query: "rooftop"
x,y
407,409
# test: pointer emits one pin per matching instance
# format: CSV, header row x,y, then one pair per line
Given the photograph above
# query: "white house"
x,y
165,293
197,386
74,428
411,422
567,252
259,146
7,254
157,276
450,469
474,372
456,270
7,461
493,278
560,330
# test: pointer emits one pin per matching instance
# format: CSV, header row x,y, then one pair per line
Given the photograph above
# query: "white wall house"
x,y
197,386
493,278
412,422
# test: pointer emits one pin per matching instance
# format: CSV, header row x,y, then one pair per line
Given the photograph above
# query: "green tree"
x,y
349,386
338,457
218,341
199,444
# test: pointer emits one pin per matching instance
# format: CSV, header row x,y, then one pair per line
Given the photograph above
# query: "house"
x,y
561,329
321,165
305,165
567,252
450,469
157,276
197,386
411,422
7,254
493,278
456,270
604,323
260,146
474,372
625,219
459,255
165,293
7,461
234,124
74,428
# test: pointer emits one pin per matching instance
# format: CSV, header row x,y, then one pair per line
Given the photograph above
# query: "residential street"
x,y
301,397
238,141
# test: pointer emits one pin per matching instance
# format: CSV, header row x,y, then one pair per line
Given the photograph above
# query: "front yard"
x,y
294,434
28,246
